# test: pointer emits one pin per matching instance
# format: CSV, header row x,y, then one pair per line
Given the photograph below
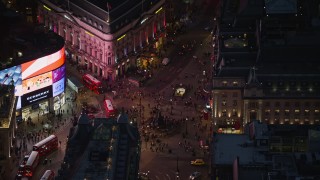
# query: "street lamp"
x,y
186,126
140,106
177,173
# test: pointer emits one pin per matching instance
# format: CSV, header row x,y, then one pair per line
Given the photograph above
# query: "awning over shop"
x,y
74,84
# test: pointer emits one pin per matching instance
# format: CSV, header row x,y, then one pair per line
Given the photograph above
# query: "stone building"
x,y
266,64
7,130
107,37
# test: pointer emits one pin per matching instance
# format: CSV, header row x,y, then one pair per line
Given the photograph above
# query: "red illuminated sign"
x,y
43,64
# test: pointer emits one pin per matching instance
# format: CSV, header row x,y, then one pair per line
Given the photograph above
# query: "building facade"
x,y
266,64
7,130
106,38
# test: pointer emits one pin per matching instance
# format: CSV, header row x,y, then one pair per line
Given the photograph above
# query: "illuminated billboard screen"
x,y
35,83
58,73
58,87
13,74
36,96
43,65
28,78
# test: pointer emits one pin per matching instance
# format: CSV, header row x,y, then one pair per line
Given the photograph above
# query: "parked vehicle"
x,y
165,61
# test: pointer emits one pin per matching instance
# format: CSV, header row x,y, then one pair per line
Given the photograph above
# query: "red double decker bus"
x,y
92,83
47,145
31,164
110,110
47,175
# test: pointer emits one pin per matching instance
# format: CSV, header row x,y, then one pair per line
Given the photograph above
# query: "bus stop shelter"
x,y
74,84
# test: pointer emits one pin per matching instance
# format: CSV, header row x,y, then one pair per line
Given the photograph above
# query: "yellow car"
x,y
198,162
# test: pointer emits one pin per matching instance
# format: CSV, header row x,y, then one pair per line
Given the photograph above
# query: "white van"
x,y
165,61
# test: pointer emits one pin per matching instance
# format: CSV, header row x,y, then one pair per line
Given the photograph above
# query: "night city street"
x,y
159,89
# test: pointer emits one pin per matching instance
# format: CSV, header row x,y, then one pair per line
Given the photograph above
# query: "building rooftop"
x,y
281,6
94,163
108,16
229,146
102,148
21,42
257,160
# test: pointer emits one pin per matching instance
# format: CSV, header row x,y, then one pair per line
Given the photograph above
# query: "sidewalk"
x,y
28,135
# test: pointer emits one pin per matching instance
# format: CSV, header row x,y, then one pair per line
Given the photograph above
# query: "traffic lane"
x,y
57,156
165,167
150,160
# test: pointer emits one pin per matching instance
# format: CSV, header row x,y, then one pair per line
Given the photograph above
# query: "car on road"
x,y
198,162
165,61
143,175
195,175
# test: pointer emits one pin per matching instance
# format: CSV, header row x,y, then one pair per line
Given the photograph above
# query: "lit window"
x,y
224,83
235,102
234,112
224,102
224,113
286,112
267,112
235,83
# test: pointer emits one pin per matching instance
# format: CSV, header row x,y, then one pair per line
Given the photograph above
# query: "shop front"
x,y
147,62
40,108
59,101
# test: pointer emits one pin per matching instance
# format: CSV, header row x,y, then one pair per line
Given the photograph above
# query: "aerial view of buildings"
x,y
160,89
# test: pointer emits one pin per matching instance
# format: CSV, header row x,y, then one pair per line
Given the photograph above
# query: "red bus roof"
x,y
33,156
108,105
46,140
49,174
91,78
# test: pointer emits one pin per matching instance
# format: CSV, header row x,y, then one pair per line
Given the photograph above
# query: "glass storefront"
x,y
58,101
43,108
40,108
